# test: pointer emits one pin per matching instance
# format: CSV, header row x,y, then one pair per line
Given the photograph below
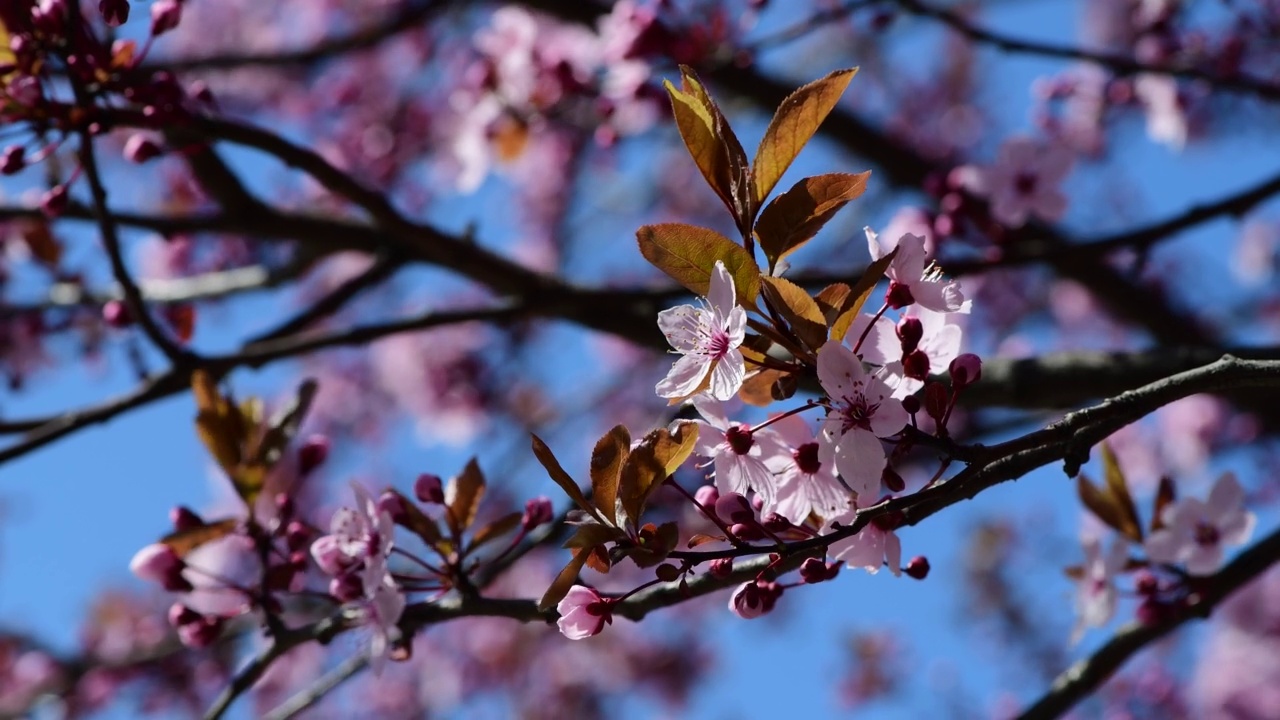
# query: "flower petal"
x,y
684,378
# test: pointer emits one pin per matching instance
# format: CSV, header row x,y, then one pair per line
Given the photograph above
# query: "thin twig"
x,y
327,683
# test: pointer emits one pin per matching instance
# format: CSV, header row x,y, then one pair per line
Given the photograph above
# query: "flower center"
x,y
1025,183
806,457
1207,534
718,344
739,439
857,412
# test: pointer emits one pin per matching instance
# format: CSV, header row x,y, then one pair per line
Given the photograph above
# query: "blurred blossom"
x,y
435,377
1197,532
1238,674
1166,117
1188,430
1254,259
1023,181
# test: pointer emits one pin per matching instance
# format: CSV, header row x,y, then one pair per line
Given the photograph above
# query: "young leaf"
x,y
754,348
859,293
712,145
831,300
418,522
1166,494
285,425
1118,488
757,389
565,580
699,539
184,541
218,422
796,120
606,468
1100,503
640,474
688,254
795,216
462,495
562,478
799,310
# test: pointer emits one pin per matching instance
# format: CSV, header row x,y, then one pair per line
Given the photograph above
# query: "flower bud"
x,y
747,602
915,365
13,160
393,504
297,535
285,506
721,568
54,202
893,482
115,12
165,16
734,508
201,633
911,404
139,148
312,454
965,370
180,615
1146,584
775,522
115,313
156,563
816,570
183,519
428,489
909,330
707,495
745,532
537,511
918,567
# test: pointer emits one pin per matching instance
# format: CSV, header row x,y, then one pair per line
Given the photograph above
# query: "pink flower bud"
x,y
583,613
899,295
537,511
429,489
918,567
915,365
202,633
165,16
54,202
297,535
707,495
721,567
115,12
814,570
184,518
115,313
965,370
392,504
734,508
156,563
285,506
14,160
774,522
1146,583
745,532
312,454
180,615
747,602
139,148
909,330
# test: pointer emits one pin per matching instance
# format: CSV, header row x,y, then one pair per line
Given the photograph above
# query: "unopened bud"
x,y
911,404
537,511
115,12
165,16
297,535
915,365
200,633
347,587
13,160
918,567
707,495
747,532
392,504
721,568
180,615
54,202
429,489
965,370
312,454
899,295
815,570
139,148
909,330
183,519
115,313
285,506
774,522
734,508
893,482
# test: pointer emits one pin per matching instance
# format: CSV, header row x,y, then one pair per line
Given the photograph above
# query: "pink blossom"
x,y
938,344
355,536
583,613
1196,531
1024,181
157,563
707,339
1166,116
911,280
383,605
862,411
872,548
752,599
805,484
1096,591
739,456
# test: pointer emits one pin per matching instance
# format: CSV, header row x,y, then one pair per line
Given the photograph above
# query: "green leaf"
x,y
607,458
462,496
688,254
563,582
796,120
562,478
859,293
799,310
1118,488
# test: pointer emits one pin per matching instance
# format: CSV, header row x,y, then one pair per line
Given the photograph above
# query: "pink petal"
x,y
684,378
721,295
859,457
1163,547
839,370
893,553
1225,497
726,378
680,326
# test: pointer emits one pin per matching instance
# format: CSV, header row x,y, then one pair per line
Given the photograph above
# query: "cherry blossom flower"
x,y
911,280
355,536
583,613
872,548
708,338
862,411
381,609
932,352
1096,591
1196,531
805,484
740,457
1023,181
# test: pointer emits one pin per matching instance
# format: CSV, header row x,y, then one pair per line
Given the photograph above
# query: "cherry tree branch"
x,y
327,683
1087,675
1118,63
